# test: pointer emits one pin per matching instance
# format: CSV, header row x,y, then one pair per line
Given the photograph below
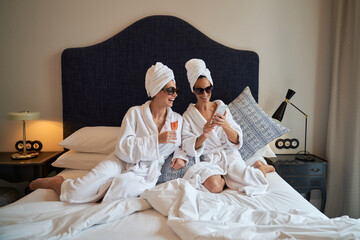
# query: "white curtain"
x,y
343,142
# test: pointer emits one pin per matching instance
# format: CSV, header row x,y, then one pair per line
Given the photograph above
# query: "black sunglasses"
x,y
171,90
200,91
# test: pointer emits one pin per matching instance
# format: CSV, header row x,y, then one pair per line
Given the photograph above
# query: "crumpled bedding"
x,y
201,215
59,220
191,214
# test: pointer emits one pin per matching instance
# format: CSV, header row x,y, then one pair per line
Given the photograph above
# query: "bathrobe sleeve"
x,y
235,127
180,153
189,136
135,141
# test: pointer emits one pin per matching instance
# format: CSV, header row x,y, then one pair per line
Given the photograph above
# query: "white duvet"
x,y
191,214
202,215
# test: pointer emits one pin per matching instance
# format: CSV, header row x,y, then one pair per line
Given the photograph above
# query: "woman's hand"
x,y
219,120
208,127
178,163
167,137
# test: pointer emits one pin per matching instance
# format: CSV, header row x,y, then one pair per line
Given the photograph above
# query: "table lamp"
x,y
23,115
279,114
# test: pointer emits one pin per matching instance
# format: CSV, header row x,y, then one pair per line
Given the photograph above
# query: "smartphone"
x,y
221,109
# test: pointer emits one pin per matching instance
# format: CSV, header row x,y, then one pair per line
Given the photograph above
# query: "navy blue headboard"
x,y
101,82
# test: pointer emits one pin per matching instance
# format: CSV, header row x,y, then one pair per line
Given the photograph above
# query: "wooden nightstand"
x,y
304,176
26,170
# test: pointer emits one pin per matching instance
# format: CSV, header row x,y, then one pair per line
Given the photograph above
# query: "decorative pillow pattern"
x,y
92,139
258,128
79,160
168,173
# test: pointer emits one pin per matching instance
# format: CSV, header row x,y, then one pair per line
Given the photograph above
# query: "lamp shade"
x,y
289,94
23,115
279,113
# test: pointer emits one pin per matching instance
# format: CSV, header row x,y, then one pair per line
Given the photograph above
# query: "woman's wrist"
x,y
231,133
200,140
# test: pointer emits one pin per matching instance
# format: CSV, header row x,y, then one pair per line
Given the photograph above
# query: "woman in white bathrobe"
x,y
145,141
214,141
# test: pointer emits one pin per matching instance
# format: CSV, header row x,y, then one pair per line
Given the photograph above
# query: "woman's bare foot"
x,y
48,183
264,168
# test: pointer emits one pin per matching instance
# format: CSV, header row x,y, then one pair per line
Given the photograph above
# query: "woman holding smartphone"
x,y
214,138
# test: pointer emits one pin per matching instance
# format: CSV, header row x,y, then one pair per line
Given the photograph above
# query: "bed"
x,y
99,84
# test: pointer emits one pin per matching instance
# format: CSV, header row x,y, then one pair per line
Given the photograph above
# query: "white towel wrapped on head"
x,y
195,68
157,76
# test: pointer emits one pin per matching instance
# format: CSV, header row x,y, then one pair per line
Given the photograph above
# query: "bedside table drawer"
x,y
299,182
301,170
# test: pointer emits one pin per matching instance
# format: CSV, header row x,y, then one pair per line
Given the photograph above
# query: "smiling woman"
x,y
125,173
214,138
169,92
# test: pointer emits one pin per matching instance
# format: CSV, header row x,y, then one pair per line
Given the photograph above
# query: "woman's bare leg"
x,y
215,183
264,168
48,183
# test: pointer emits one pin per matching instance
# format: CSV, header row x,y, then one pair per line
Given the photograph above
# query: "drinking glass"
x,y
174,126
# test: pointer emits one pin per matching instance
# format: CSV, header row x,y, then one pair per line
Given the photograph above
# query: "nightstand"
x,y
26,170
303,176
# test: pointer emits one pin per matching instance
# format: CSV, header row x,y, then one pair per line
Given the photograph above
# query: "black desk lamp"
x,y
279,114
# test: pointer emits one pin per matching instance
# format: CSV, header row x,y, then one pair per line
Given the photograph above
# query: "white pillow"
x,y
92,139
265,151
79,160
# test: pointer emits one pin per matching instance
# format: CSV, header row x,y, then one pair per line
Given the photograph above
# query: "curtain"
x,y
343,141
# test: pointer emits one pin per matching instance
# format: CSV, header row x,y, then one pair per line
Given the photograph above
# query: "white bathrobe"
x,y
135,164
218,156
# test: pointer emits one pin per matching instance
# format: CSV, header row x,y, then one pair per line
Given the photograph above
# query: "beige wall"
x,y
292,38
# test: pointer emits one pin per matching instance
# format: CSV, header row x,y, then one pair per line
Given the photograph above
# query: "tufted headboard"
x,y
101,82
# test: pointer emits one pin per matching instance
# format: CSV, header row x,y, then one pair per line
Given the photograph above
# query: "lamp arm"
x,y
296,107
306,117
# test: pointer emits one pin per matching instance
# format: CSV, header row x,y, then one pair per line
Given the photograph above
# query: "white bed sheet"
x,y
147,223
280,195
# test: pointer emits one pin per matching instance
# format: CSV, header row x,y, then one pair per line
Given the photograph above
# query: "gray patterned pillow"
x,y
258,128
168,173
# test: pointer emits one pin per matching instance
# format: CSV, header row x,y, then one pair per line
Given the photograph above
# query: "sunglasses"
x,y
171,90
200,91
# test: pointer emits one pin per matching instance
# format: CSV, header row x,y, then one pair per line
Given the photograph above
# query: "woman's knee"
x,y
215,184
